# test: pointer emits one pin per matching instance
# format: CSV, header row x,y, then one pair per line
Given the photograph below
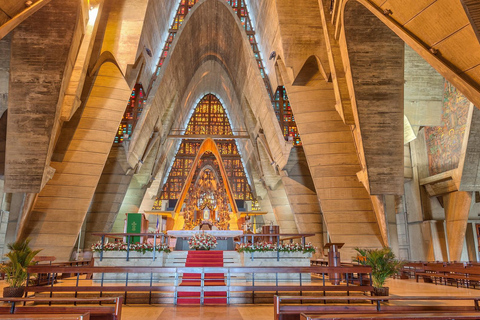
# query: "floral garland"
x,y
202,241
265,247
121,246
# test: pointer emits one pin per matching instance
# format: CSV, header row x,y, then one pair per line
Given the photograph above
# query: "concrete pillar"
x,y
457,206
390,213
402,229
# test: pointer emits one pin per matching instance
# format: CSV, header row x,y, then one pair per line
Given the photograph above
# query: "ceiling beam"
x,y
19,18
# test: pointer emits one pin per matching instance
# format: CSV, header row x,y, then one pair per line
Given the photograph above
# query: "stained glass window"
x,y
285,117
209,117
132,114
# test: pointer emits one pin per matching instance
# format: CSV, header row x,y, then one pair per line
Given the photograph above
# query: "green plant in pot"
x,y
20,256
384,265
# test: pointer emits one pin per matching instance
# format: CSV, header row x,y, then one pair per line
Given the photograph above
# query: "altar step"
x,y
187,296
209,298
178,258
206,276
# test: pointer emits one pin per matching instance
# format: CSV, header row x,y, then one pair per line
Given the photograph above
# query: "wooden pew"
x,y
85,316
311,305
413,316
40,259
96,312
450,273
410,268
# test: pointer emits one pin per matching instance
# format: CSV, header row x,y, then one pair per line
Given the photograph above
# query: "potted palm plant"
x,y
20,256
384,265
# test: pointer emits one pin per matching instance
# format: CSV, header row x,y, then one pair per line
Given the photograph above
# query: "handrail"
x,y
89,269
130,234
165,238
374,298
277,236
102,299
357,278
245,234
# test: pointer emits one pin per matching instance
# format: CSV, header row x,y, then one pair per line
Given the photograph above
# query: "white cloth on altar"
x,y
215,233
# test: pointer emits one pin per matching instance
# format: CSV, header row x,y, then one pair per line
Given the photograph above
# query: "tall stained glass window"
x,y
132,114
209,117
285,117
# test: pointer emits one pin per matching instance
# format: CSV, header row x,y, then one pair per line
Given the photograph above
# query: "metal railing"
x,y
356,278
164,240
276,238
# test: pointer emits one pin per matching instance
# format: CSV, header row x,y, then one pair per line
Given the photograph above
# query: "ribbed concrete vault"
x,y
212,77
210,32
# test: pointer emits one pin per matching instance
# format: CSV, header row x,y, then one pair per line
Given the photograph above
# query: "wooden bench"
x,y
410,268
85,316
459,274
39,259
285,310
409,316
99,312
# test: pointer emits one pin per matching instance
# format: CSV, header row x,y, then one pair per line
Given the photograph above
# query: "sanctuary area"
x,y
240,159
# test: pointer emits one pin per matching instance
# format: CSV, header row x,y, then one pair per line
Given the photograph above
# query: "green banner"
x,y
134,225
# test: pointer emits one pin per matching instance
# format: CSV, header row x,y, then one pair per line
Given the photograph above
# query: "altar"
x,y
224,238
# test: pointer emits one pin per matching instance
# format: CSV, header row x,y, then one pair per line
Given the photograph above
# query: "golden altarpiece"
x,y
207,178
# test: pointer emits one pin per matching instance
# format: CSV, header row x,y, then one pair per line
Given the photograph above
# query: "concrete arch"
x,y
333,162
310,69
207,145
211,31
211,77
60,208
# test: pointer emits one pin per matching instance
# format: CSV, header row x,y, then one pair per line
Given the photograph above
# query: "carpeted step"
x,y
210,294
206,276
203,264
205,255
188,301
203,259
215,301
198,283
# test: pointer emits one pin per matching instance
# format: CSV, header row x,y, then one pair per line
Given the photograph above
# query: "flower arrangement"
x,y
265,246
202,241
122,246
297,247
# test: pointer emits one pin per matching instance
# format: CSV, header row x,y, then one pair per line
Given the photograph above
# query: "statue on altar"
x,y
206,207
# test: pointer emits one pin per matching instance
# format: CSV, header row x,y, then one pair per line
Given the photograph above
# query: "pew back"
x,y
284,309
95,312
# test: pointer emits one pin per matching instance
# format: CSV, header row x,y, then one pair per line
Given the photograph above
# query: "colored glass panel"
x,y
285,117
209,117
132,114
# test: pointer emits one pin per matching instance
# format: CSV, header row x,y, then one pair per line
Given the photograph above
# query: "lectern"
x,y
334,260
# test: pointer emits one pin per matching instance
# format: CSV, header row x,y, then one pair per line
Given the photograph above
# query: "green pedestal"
x,y
134,225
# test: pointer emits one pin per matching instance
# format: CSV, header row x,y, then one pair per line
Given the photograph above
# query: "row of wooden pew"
x,y
48,308
459,273
372,307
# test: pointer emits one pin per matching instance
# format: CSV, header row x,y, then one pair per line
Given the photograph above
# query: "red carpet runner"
x,y
203,259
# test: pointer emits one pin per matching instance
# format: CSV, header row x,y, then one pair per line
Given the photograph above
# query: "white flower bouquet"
x,y
202,241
